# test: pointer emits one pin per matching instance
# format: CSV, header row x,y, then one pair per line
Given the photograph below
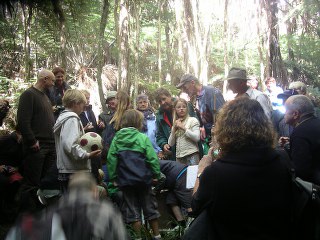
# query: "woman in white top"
x,y
185,134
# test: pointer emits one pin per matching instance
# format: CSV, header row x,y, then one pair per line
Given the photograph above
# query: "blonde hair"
x,y
132,118
73,96
123,104
85,92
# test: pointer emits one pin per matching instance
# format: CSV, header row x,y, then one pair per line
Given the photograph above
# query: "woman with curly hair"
x,y
247,189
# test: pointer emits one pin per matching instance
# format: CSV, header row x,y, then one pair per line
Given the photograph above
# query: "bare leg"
x,y
154,226
177,213
137,228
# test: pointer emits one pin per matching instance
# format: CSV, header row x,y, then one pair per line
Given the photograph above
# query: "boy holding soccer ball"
x,y
71,157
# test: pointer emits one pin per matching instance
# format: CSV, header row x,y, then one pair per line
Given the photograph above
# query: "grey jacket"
x,y
70,156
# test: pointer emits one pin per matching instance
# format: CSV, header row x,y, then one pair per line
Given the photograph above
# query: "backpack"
x,y
132,169
305,209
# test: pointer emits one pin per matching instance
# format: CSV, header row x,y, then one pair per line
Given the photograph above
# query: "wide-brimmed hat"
x,y
110,94
186,78
237,73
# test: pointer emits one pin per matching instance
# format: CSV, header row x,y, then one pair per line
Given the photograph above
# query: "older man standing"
x,y
208,101
305,138
237,80
35,122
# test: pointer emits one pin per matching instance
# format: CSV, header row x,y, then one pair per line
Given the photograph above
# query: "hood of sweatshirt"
x,y
64,116
129,138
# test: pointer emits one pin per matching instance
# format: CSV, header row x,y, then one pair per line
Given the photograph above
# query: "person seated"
x,y
10,177
4,109
101,186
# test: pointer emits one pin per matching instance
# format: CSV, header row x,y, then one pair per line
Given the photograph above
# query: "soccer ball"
x,y
91,142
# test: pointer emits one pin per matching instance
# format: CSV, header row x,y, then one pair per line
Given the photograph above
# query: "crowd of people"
x,y
243,149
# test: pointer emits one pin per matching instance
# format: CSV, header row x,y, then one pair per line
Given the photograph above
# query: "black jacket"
x,y
248,194
91,118
305,150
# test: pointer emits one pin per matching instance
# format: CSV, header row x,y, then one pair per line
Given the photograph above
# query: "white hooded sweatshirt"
x,y
70,156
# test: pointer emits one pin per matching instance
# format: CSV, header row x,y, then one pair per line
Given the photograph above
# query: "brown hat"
x,y
186,78
237,73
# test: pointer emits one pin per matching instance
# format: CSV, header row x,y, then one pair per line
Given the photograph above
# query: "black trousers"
x,y
36,165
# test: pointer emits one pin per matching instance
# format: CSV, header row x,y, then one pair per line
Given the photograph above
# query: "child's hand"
x,y
161,155
101,124
94,153
283,140
166,149
88,126
179,124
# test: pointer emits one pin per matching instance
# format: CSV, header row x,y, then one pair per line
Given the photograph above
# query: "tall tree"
x,y
27,17
259,43
160,9
103,23
225,44
276,68
195,27
57,9
123,34
136,11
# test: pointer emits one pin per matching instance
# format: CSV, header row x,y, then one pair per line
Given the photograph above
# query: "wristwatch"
x,y
199,174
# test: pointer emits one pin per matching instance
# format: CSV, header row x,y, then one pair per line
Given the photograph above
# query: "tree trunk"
x,y
61,18
260,47
277,69
136,12
195,33
225,45
170,62
123,46
27,17
291,26
103,23
159,43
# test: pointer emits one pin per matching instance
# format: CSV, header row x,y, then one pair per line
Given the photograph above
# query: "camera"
x,y
59,108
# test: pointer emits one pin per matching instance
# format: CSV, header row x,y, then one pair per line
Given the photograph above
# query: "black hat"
x,y
287,93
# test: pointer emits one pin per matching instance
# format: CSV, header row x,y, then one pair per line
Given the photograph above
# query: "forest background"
x,y
141,45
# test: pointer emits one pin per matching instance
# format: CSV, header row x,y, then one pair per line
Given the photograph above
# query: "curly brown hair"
x,y
56,70
242,124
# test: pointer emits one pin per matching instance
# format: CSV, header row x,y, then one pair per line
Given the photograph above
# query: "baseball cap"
x,y
186,78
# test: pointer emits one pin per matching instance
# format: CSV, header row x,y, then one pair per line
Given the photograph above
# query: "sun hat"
x,y
237,73
110,94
